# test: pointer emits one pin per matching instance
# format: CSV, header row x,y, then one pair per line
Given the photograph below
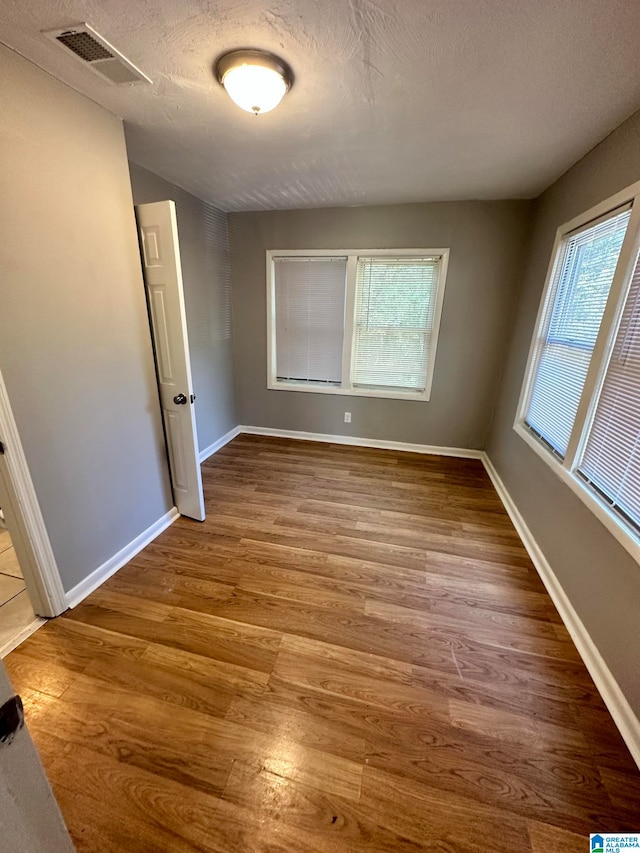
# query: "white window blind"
x,y
611,459
309,308
579,292
393,323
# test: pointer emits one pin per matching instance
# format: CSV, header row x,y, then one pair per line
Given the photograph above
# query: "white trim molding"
x,y
623,715
356,441
111,566
213,448
26,523
14,642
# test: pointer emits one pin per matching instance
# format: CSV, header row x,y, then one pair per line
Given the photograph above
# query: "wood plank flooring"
x,y
352,653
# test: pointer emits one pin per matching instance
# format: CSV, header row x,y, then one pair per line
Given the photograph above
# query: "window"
x,y
309,319
586,264
355,322
580,406
611,458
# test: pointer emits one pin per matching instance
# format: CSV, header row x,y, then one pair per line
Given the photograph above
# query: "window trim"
x,y
566,469
352,255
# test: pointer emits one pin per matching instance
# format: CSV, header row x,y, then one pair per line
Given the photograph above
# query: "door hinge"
x,y
1,449
11,720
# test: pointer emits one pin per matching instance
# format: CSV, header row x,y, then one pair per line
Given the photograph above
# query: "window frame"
x,y
352,256
567,468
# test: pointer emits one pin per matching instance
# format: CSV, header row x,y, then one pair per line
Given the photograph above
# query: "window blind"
x,y
309,308
579,291
393,322
611,459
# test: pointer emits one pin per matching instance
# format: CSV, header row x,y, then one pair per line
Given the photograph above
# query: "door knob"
x,y
11,720
180,400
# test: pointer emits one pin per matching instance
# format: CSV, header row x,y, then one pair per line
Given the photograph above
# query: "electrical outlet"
x,y
347,417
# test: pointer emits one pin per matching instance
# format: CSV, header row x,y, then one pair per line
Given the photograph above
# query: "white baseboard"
x,y
615,700
104,572
21,637
355,441
226,438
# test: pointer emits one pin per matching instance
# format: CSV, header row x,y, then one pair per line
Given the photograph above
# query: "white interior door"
x,y
158,229
30,820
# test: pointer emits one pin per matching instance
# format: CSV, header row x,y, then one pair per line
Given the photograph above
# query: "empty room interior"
x,y
319,425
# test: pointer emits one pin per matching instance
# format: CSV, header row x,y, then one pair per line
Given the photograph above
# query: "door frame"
x,y
27,527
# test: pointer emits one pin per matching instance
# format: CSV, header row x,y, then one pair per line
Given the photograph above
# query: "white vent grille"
x,y
90,48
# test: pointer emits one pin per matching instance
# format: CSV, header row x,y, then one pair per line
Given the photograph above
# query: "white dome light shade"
x,y
254,88
257,81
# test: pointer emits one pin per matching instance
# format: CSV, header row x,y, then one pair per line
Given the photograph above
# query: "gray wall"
x,y
204,251
75,348
486,241
598,575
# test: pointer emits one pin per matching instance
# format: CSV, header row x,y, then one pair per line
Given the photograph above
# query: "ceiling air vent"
x,y
91,49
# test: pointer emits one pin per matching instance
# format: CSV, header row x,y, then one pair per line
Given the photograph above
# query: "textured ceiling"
x,y
412,100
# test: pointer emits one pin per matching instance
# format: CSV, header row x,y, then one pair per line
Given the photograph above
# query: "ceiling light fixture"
x,y
256,80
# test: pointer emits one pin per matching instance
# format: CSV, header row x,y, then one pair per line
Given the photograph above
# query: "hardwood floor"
x,y
353,652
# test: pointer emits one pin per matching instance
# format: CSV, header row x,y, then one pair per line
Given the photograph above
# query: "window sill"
x,y
349,392
624,535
